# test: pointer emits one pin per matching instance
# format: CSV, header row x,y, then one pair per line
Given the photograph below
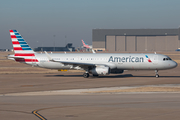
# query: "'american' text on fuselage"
x,y
126,59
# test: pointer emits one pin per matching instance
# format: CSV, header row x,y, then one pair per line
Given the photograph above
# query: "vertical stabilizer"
x,y
20,46
23,53
84,44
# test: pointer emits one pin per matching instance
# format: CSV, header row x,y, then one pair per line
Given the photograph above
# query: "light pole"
x,y
42,47
37,45
54,41
65,40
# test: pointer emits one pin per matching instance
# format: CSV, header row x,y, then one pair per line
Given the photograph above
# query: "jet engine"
x,y
100,70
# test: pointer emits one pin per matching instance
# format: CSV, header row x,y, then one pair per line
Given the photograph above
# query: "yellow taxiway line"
x,y
35,112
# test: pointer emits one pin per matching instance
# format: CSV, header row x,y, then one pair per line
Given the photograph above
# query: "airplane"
x,y
95,64
86,45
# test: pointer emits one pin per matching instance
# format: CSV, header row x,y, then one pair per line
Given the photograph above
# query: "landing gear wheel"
x,y
157,75
86,75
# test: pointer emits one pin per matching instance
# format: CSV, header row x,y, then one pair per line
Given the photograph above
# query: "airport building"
x,y
136,39
68,47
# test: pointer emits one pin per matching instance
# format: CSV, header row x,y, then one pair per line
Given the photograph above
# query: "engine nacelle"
x,y
116,71
100,70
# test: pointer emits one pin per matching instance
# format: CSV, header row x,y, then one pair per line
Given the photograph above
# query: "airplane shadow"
x,y
159,76
63,75
114,76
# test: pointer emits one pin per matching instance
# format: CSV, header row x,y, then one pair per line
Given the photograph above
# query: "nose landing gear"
x,y
157,75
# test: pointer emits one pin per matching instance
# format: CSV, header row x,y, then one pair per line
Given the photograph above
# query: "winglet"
x,y
49,57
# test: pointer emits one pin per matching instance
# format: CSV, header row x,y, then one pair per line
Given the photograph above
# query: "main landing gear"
x,y
157,75
86,75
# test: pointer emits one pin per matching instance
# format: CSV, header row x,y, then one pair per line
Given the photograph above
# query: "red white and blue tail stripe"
x,y
19,44
84,44
23,53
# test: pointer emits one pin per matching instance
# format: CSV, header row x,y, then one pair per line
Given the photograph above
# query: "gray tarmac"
x,y
131,106
157,106
14,83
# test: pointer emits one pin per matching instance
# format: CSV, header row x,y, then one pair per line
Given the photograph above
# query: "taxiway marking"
x,y
35,112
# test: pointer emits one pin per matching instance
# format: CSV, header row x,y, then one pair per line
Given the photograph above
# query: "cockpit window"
x,y
164,59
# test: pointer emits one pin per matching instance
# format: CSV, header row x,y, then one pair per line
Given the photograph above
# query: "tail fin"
x,y
21,48
84,44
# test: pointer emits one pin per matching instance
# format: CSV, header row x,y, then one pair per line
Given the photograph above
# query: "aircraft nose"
x,y
174,64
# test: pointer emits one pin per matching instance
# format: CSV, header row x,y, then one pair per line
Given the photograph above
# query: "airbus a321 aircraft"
x,y
92,63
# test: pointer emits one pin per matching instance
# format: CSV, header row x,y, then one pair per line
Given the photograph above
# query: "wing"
x,y
82,65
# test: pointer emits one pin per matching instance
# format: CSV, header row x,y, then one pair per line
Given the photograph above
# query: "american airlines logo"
x,y
126,59
149,60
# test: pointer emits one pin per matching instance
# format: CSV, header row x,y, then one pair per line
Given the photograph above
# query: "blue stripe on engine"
x,y
20,39
26,48
24,45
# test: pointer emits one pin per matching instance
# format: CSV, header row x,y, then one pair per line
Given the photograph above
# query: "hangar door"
x,y
110,43
172,43
141,43
120,43
146,43
130,43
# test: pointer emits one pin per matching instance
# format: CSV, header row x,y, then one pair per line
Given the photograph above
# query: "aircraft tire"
x,y
157,76
86,75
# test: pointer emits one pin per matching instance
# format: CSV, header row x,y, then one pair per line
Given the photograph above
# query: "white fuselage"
x,y
113,61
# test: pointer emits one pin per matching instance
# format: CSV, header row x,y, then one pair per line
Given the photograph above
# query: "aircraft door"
x,y
155,59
